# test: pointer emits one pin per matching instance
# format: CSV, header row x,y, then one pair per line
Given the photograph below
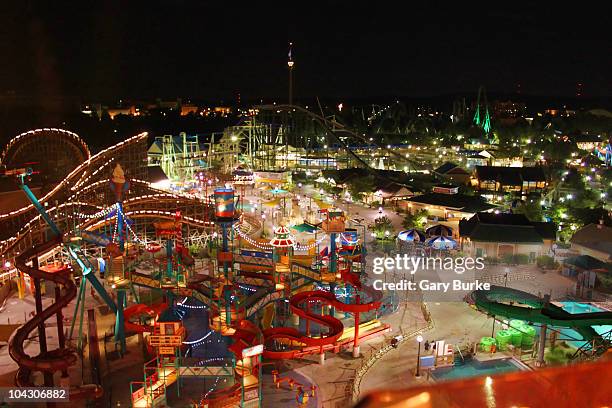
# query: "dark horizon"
x,y
214,52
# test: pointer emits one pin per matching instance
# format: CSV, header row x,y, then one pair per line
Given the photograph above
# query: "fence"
x,y
352,389
509,277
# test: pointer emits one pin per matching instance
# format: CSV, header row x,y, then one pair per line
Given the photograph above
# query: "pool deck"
x,y
500,355
503,355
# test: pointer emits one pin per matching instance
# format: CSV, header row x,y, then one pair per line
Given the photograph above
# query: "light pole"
x,y
263,223
419,340
290,64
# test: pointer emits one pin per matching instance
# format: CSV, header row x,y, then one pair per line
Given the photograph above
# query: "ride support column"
x,y
119,320
60,325
333,259
542,341
169,258
356,340
42,335
225,226
332,289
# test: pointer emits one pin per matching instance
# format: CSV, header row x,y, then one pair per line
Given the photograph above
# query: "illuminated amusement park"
x,y
302,251
231,286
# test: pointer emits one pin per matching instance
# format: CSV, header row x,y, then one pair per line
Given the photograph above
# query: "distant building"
x,y
478,159
497,235
222,110
390,193
479,143
499,180
453,172
188,109
594,240
447,208
508,109
560,112
127,111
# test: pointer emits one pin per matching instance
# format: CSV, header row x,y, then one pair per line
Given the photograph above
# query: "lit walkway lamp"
x,y
419,340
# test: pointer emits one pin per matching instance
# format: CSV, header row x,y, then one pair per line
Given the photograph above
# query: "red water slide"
x,y
55,360
140,310
299,304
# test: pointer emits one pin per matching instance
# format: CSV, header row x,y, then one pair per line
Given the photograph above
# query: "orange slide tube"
x,y
56,360
336,328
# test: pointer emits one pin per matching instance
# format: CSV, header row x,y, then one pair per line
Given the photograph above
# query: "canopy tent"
x,y
282,239
272,203
278,191
306,227
322,205
441,242
411,235
439,230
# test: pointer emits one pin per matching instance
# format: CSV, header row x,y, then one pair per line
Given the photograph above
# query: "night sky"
x,y
347,49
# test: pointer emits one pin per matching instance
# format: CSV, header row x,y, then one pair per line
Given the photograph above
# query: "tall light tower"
x,y
290,64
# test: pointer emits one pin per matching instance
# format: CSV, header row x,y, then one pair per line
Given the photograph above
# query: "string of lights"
x,y
103,213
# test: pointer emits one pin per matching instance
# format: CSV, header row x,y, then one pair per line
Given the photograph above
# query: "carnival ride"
x,y
230,310
515,304
604,153
335,134
246,283
60,359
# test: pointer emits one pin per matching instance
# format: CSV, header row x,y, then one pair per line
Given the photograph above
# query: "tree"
x,y
357,186
532,210
382,227
416,220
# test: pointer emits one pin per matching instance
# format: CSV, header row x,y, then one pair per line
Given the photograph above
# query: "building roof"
x,y
587,262
596,237
155,174
511,228
592,233
463,202
510,176
445,168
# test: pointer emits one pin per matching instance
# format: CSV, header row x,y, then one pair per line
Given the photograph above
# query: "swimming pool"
x,y
568,334
474,368
577,307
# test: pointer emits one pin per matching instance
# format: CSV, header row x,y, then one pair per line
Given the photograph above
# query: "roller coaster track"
x,y
14,146
78,178
339,127
36,226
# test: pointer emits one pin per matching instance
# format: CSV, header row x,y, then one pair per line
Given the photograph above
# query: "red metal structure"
x,y
47,361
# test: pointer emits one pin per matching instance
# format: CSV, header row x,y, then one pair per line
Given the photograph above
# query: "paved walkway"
x,y
456,323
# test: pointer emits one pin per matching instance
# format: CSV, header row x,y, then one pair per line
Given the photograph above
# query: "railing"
x,y
306,271
352,389
594,348
5,276
510,277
